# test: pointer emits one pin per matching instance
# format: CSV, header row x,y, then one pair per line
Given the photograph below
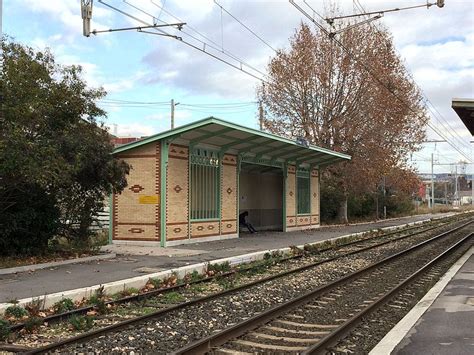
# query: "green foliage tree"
x,y
55,163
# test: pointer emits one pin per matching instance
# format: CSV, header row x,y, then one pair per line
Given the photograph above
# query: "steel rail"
x,y
118,326
56,318
345,328
206,344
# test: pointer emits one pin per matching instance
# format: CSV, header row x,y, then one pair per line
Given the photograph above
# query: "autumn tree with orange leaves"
x,y
360,101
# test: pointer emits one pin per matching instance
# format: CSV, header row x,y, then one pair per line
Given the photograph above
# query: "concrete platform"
x,y
442,323
69,277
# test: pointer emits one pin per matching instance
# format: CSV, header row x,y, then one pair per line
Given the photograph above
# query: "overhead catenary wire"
x,y
241,63
370,71
436,114
245,26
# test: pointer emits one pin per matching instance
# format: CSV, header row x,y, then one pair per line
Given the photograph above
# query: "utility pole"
x,y
260,115
472,173
384,203
456,184
172,113
446,193
432,183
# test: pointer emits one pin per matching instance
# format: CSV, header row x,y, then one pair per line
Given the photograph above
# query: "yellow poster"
x,y
149,199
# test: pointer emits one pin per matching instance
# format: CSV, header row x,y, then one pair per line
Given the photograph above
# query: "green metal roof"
x,y
231,137
465,110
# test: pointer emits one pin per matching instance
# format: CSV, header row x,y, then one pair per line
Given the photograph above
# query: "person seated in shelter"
x,y
243,222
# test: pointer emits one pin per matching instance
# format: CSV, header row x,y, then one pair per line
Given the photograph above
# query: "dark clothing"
x,y
243,222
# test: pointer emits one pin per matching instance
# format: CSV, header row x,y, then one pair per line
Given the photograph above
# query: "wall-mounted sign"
x,y
149,199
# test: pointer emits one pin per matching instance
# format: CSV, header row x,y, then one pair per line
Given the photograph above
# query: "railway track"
x,y
347,248
316,321
160,313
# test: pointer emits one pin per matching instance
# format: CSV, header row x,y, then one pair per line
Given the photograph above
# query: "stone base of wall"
x,y
202,239
301,228
137,243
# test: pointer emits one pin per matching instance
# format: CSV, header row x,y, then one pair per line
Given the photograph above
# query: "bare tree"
x,y
359,100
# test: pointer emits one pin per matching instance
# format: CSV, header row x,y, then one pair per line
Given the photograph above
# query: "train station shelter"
x,y
465,110
190,183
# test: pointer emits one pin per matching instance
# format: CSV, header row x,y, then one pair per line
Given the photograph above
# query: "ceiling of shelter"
x,y
231,138
465,110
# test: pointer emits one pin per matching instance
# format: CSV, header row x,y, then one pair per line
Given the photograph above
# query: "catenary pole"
x,y
432,183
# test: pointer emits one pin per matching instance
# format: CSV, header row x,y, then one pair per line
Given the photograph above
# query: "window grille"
x,y
205,185
302,194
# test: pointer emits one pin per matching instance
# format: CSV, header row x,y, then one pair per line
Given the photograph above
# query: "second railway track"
x,y
315,322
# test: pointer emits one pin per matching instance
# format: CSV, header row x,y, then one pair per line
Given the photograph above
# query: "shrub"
x,y
16,312
35,307
157,283
29,223
65,305
129,291
4,329
218,268
193,277
32,324
81,322
98,300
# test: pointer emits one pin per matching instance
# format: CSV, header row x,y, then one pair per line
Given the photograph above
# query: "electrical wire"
x,y
369,70
449,128
246,27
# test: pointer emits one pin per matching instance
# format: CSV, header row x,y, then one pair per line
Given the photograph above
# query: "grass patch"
x,y
197,289
172,297
81,323
129,292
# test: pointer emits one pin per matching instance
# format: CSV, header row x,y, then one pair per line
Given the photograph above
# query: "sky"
x,y
142,72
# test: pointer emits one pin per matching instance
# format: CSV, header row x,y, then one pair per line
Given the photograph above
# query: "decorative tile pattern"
x,y
291,193
229,160
136,188
229,190
199,228
228,225
314,194
177,230
178,189
136,230
210,227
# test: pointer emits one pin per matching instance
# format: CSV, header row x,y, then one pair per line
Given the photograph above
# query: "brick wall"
x,y
229,195
315,197
291,197
177,193
136,211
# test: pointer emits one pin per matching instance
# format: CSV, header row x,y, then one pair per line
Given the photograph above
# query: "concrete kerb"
x,y
33,267
401,329
140,281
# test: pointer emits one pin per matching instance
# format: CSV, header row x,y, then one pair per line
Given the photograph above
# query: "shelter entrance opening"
x,y
261,195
